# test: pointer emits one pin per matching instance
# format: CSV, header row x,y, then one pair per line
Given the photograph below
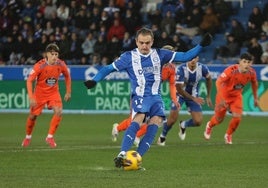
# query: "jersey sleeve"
x,y
172,86
180,75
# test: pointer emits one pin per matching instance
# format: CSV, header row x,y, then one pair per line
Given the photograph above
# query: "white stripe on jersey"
x,y
157,72
189,74
136,64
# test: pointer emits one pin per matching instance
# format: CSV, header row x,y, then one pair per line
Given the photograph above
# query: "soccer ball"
x,y
132,161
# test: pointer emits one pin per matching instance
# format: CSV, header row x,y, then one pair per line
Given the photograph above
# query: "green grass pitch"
x,y
84,156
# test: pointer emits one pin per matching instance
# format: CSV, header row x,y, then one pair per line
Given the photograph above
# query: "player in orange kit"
x,y
230,86
168,74
45,74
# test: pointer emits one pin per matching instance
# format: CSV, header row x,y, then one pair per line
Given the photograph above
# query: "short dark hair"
x,y
145,31
246,56
52,47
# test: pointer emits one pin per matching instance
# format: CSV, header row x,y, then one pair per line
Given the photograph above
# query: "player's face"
x,y
52,57
144,43
244,65
192,63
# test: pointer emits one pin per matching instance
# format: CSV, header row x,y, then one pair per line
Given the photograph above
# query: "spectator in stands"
x,y
111,8
263,41
114,47
164,40
100,46
48,30
130,22
155,17
256,20
265,27
88,45
128,42
168,23
179,44
194,18
223,11
75,51
49,9
238,31
255,49
63,13
210,22
28,12
231,49
81,22
117,29
64,45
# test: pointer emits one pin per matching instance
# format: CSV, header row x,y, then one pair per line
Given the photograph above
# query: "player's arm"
x,y
67,77
29,84
209,87
172,88
100,76
185,94
192,53
254,87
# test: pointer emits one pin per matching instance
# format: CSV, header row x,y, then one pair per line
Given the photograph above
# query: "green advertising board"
x,y
113,96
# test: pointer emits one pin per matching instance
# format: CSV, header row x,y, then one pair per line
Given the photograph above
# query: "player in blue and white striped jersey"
x,y
143,65
188,77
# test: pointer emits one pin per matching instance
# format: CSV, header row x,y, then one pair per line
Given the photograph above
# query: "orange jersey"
x,y
231,82
46,77
169,74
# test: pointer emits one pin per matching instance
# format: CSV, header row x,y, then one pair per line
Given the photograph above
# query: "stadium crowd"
x,y
91,32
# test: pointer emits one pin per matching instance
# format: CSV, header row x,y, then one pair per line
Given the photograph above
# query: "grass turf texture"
x,y
84,155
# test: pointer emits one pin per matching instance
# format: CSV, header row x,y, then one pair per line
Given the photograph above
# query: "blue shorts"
x,y
151,106
190,104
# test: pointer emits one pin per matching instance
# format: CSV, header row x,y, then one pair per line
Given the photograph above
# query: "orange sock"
x,y
124,124
29,126
234,123
213,121
54,123
142,130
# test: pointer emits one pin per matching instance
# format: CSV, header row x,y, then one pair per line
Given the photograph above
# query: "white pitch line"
x,y
90,147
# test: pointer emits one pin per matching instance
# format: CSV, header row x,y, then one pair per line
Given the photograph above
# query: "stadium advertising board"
x,y
111,94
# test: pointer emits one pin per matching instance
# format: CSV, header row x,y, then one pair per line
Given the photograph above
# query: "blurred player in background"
x,y
229,97
168,74
45,74
144,65
189,76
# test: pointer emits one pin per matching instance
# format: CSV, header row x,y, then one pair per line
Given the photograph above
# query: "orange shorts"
x,y
45,102
233,104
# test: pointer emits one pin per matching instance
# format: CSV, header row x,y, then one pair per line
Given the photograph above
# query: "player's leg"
x,y
30,123
236,109
219,115
167,124
142,131
195,120
56,105
148,138
128,138
123,125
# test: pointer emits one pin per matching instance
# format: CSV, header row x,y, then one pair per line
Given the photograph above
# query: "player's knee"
x,y
198,123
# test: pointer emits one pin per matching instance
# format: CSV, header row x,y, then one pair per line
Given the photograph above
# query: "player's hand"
x,y
177,104
256,103
32,102
209,102
206,40
199,100
67,96
90,84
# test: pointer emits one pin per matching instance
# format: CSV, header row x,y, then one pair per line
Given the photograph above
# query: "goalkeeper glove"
x,y
90,84
206,40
